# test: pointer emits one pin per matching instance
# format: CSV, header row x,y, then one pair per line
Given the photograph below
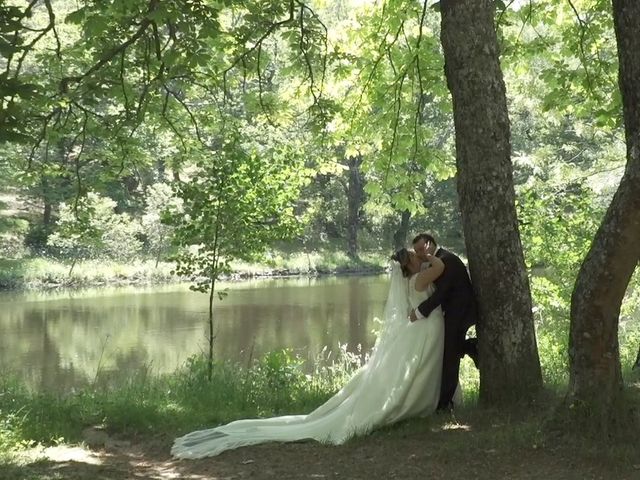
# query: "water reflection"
x,y
59,340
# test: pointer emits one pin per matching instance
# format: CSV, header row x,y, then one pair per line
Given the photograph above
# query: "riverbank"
x,y
46,273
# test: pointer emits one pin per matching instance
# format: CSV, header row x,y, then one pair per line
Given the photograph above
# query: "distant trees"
x,y
91,228
160,203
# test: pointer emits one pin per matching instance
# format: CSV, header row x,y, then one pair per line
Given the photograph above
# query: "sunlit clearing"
x,y
456,426
63,453
167,472
173,407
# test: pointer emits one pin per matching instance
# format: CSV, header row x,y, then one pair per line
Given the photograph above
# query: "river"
x,y
62,340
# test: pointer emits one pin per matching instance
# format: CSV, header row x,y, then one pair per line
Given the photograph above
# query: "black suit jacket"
x,y
454,294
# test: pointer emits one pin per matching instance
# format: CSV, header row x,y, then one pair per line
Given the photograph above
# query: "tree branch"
x,y
262,38
583,31
107,57
82,132
420,90
396,120
194,121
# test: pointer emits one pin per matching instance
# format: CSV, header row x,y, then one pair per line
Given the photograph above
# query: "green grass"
x,y
151,407
170,404
14,226
145,404
44,273
317,261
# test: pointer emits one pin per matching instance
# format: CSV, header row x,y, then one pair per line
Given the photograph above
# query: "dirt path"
x,y
407,452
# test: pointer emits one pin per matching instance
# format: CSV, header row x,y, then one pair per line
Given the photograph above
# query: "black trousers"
x,y
455,347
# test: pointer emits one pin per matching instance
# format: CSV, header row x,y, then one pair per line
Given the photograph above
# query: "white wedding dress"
x,y
400,380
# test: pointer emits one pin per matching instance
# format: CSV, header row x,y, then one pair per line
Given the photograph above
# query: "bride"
x,y
400,380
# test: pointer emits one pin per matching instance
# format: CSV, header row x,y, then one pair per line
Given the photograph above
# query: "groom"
x,y
454,294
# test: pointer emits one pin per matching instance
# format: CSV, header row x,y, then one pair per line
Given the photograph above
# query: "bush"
x,y
37,238
95,230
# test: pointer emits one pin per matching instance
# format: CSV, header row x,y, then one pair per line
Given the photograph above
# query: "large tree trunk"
x,y
509,363
595,379
355,197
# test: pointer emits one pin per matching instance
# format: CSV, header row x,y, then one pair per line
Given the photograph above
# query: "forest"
x,y
200,140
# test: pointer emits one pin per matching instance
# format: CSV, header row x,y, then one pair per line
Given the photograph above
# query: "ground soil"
x,y
419,449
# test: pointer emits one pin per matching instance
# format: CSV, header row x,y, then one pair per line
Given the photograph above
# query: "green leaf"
x,y
76,17
158,15
7,135
96,25
8,49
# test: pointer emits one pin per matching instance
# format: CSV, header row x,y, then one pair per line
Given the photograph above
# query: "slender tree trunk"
x,y
355,196
159,252
47,207
46,214
595,374
212,288
73,264
400,235
161,168
510,367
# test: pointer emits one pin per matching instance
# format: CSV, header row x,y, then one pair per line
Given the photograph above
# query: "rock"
x,y
95,437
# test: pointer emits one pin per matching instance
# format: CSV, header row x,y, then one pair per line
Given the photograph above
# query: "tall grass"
x,y
47,273
276,384
316,261
145,404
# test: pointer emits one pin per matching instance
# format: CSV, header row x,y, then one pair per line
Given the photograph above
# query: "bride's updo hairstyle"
x,y
402,257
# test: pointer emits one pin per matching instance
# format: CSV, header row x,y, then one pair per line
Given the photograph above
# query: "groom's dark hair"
x,y
426,237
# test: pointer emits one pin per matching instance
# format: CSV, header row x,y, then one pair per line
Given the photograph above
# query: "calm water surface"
x,y
59,340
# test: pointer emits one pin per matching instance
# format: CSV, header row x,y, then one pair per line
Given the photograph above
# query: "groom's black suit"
x,y
454,294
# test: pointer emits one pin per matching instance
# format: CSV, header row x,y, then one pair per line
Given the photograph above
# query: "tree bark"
x,y
46,213
355,196
509,363
595,383
400,235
